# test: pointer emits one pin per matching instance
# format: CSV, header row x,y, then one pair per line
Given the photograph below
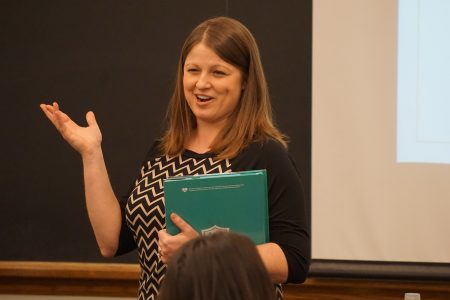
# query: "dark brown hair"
x,y
220,266
252,118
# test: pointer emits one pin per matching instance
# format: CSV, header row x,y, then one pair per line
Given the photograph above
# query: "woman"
x,y
219,120
220,266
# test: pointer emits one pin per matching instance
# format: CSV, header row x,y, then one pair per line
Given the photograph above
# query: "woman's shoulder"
x,y
267,148
260,155
153,153
154,150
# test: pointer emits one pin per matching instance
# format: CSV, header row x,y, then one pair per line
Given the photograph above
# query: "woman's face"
x,y
212,87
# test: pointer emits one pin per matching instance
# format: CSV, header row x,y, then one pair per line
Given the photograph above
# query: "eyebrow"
x,y
213,66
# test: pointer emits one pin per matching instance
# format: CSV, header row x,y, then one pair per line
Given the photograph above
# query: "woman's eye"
x,y
192,70
219,73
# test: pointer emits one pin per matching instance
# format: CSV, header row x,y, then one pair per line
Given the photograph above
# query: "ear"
x,y
243,85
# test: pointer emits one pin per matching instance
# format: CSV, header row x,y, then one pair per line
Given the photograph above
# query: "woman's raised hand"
x,y
85,140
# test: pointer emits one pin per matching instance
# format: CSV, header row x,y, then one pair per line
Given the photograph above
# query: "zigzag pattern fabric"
x,y
145,213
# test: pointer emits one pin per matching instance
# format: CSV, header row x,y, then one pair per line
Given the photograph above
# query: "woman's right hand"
x,y
85,140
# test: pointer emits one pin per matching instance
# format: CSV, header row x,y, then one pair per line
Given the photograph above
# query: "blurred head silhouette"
x,y
220,266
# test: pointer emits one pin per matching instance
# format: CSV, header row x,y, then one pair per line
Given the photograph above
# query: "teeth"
x,y
203,98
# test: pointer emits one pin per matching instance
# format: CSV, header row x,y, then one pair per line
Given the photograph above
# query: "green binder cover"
x,y
234,201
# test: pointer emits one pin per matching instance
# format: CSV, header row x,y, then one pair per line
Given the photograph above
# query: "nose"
x,y
203,82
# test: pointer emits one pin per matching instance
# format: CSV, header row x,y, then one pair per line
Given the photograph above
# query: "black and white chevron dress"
x,y
144,215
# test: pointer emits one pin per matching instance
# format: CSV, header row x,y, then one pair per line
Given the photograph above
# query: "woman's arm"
x,y
275,262
102,205
287,255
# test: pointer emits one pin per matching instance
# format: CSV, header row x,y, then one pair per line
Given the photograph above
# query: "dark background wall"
x,y
117,58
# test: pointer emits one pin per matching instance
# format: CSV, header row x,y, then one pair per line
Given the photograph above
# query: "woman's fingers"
x,y
50,113
60,120
46,110
169,244
62,117
90,118
183,225
82,139
162,246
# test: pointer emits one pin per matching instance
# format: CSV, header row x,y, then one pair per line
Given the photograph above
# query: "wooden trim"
x,y
102,279
69,270
63,278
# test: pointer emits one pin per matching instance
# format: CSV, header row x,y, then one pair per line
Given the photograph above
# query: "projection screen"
x,y
381,131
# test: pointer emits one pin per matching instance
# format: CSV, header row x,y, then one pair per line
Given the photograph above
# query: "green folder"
x,y
234,201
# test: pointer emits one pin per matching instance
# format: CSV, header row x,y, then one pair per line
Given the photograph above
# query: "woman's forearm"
x,y
102,205
275,261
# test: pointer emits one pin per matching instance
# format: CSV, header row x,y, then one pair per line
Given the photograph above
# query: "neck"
x,y
202,138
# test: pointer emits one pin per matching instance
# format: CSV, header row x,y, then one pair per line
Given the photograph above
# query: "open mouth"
x,y
202,98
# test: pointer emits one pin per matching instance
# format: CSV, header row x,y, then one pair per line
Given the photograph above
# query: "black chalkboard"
x,y
117,58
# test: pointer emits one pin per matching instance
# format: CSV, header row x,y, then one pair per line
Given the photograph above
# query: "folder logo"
x,y
214,229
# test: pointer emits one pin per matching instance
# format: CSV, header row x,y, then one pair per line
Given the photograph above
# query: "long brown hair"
x,y
252,118
220,266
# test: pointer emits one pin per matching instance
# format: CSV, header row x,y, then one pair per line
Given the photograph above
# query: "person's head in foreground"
x,y
220,266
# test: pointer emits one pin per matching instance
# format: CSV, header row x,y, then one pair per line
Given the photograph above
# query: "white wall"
x,y
365,205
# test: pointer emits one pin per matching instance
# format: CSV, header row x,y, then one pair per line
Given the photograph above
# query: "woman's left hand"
x,y
169,244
